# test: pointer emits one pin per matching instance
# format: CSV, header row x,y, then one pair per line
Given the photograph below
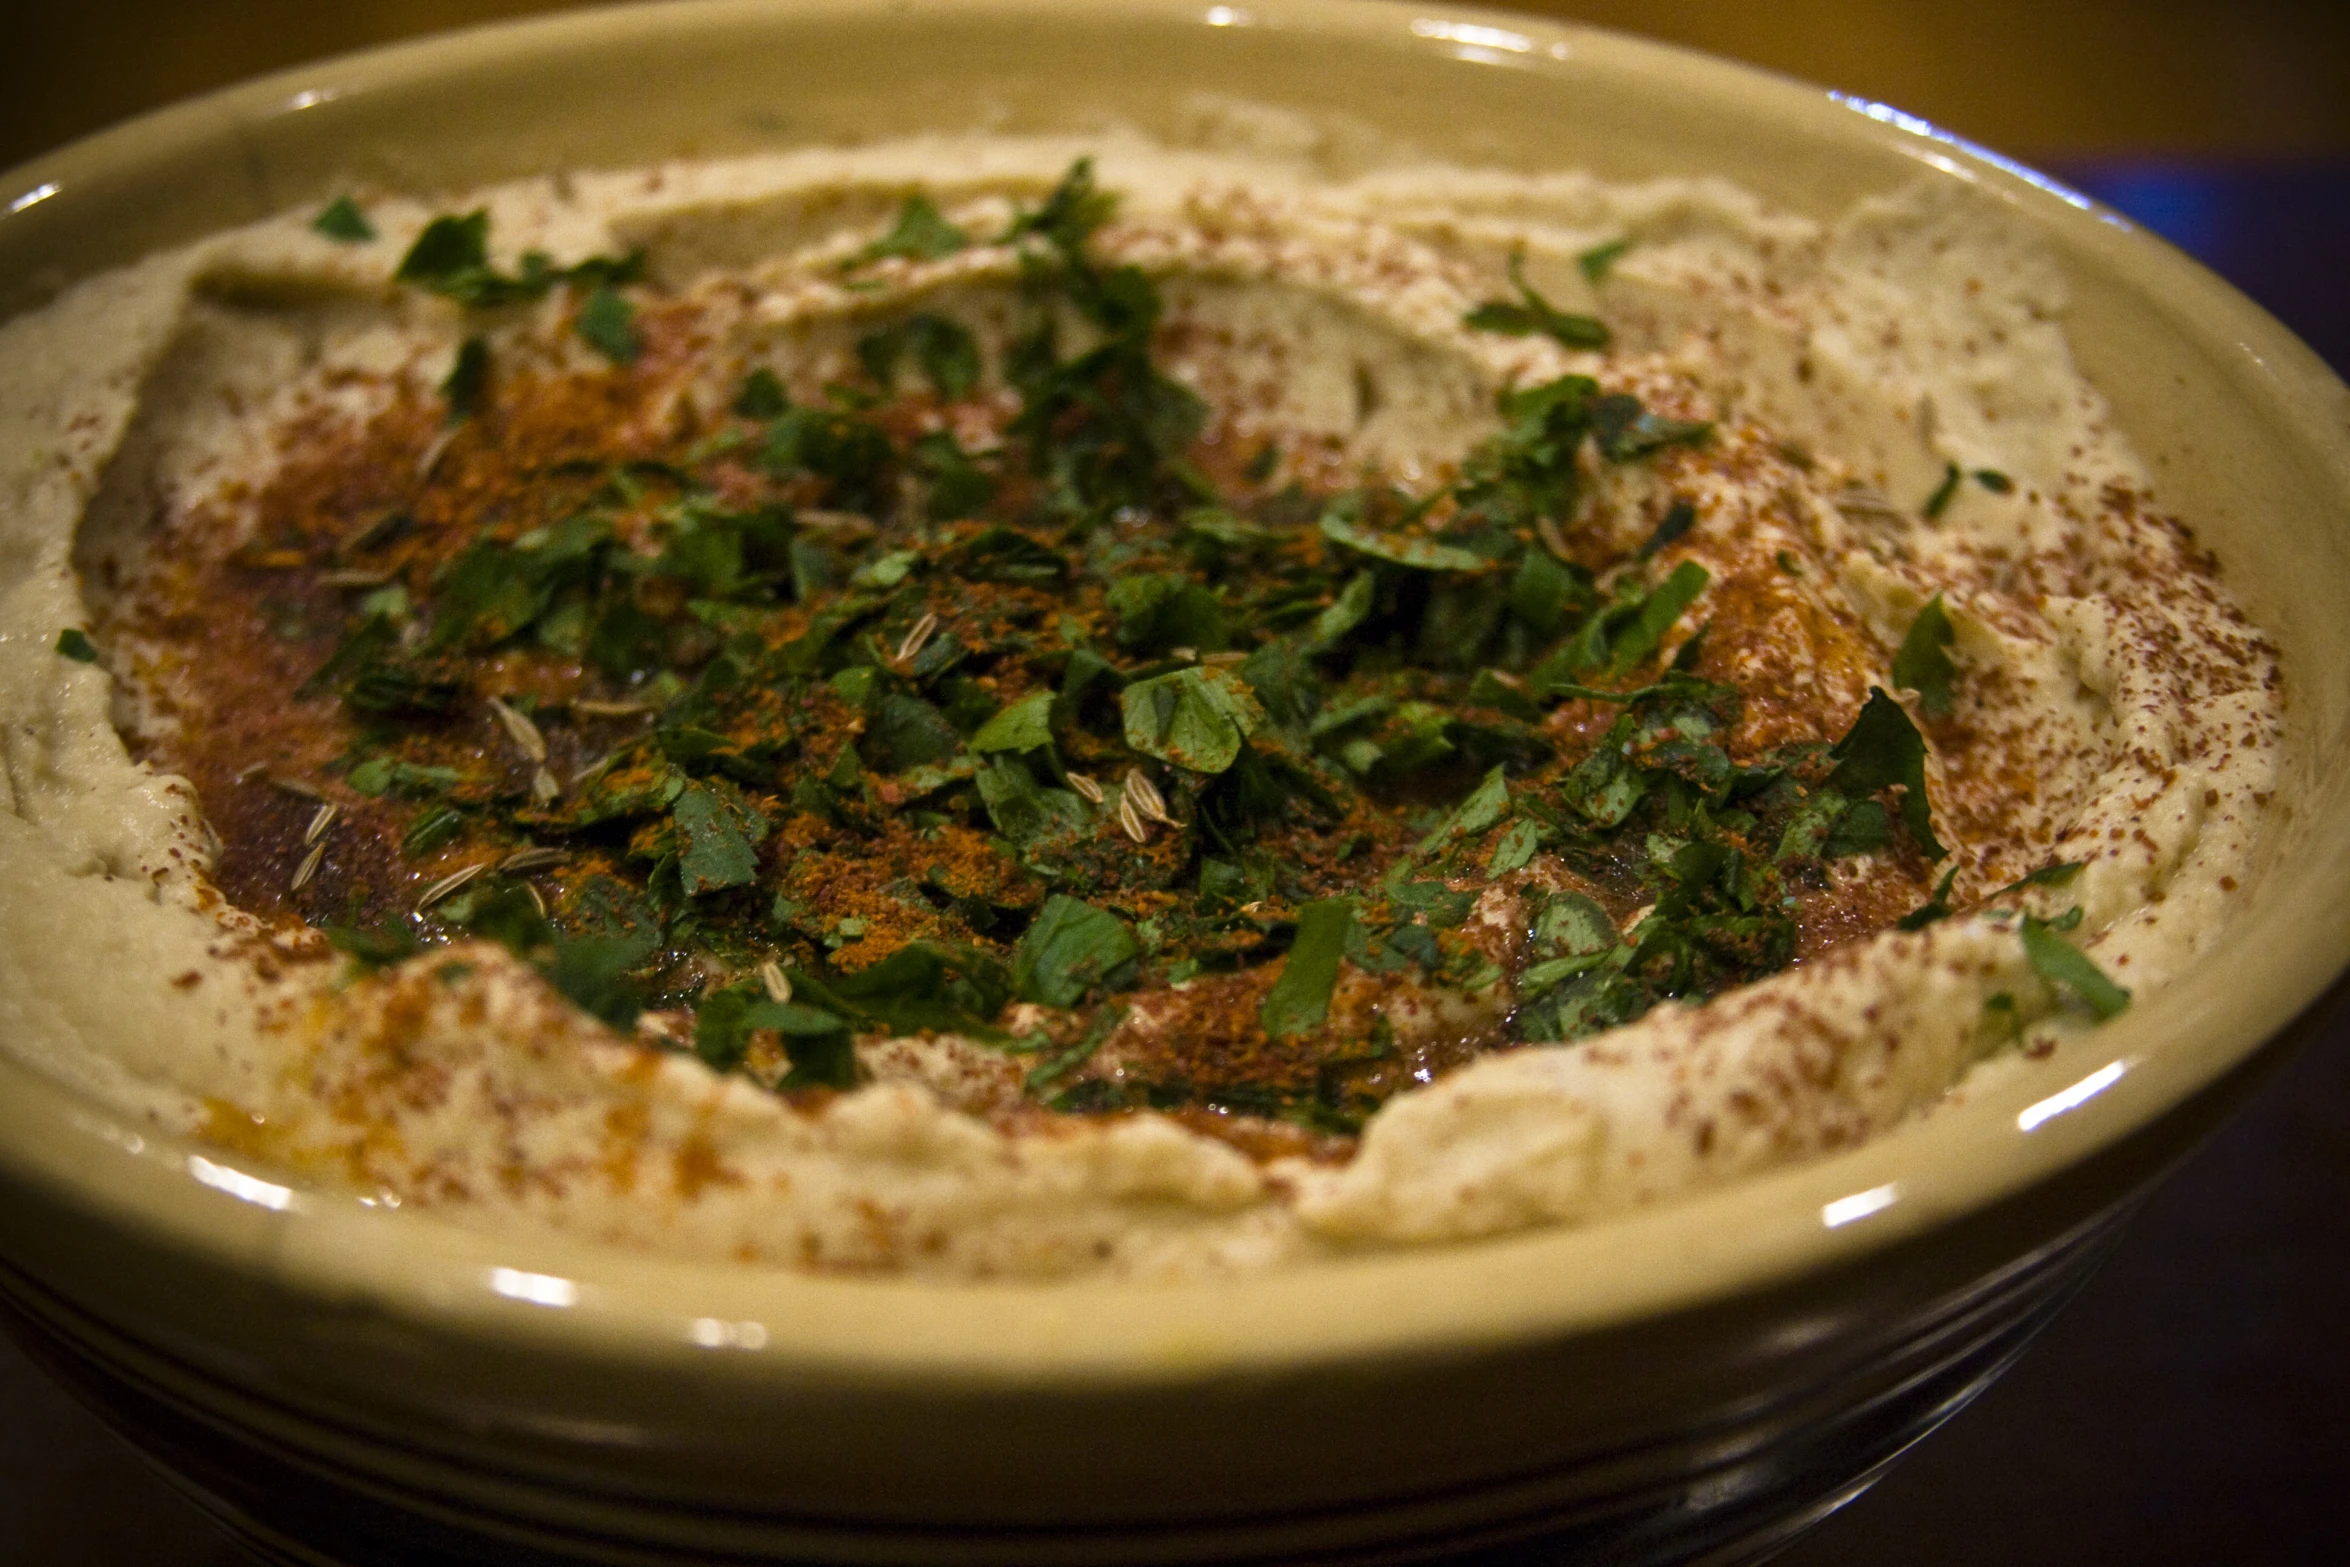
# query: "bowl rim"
x,y
577,1297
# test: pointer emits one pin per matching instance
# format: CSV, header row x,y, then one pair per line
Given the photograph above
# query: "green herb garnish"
x,y
342,221
468,379
1921,665
2067,967
1937,502
1300,997
869,715
1071,948
921,233
607,324
1532,313
1596,262
1884,750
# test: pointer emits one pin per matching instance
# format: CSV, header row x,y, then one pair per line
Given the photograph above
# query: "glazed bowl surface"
x,y
1694,1380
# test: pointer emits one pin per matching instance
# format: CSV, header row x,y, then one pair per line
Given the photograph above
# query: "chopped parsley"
x,y
468,379
450,257
832,716
1922,665
1531,314
2057,875
1300,997
2069,969
1678,519
921,233
1599,260
342,220
1939,501
75,644
1883,750
607,325
1934,909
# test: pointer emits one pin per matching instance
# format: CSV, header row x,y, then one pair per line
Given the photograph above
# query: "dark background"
x,y
2192,1407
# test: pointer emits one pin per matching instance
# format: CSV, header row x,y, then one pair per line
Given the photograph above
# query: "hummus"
x,y
998,707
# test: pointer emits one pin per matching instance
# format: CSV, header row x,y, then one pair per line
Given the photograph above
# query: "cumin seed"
x,y
1862,502
531,859
320,821
916,639
520,730
1148,803
453,882
308,868
432,455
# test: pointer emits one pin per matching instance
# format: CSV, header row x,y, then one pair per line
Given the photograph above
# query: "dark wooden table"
x,y
2190,1409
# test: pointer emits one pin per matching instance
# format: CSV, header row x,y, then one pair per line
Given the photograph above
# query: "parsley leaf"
x,y
1939,501
717,830
1678,519
1627,431
762,395
2067,967
451,258
1921,665
1104,429
725,1019
1883,749
374,949
1934,908
943,348
1658,611
1533,314
468,379
1345,612
921,233
342,221
1024,812
1196,718
1023,726
75,644
1596,262
2057,875
607,324
1299,1000
1403,549
434,827
1069,948
592,974
1516,849
1487,804
447,250
1157,612
1076,207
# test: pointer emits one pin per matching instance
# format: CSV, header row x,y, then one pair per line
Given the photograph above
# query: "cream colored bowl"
x,y
1702,1378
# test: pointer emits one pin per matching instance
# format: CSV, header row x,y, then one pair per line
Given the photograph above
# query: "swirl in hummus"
x,y
996,707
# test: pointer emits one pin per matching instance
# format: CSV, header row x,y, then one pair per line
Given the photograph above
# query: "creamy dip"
x,y
1871,497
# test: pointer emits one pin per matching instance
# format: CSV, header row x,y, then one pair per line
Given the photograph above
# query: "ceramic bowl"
x,y
1699,1380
